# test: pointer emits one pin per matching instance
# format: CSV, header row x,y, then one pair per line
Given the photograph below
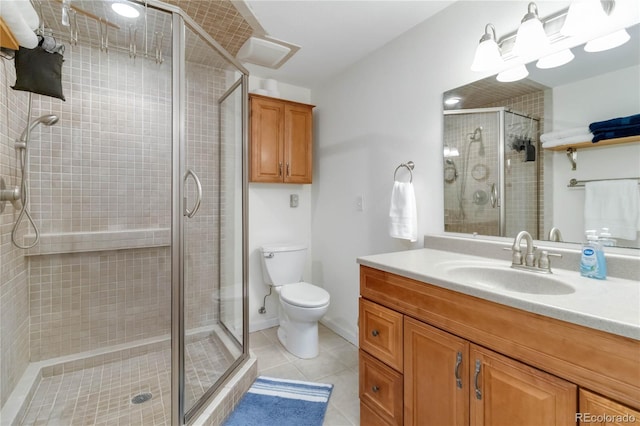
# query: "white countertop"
x,y
611,305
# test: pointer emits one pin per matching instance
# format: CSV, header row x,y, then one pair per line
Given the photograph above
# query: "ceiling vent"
x,y
269,53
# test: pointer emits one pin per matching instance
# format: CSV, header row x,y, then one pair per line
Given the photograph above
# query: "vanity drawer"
x,y
381,333
381,389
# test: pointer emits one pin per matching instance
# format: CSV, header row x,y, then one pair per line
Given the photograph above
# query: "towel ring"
x,y
409,166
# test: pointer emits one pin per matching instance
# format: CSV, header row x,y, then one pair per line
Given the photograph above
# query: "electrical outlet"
x,y
293,200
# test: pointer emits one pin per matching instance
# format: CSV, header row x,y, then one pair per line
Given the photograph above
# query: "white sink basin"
x,y
506,278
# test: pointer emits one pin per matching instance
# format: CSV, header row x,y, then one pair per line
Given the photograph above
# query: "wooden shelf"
x,y
589,144
6,36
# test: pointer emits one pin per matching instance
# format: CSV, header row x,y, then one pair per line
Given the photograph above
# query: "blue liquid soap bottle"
x,y
592,262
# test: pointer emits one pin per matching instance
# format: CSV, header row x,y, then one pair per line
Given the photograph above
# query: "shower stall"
x,y
491,172
131,307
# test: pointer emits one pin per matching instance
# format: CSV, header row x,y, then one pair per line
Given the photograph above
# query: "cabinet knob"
x,y
375,333
375,389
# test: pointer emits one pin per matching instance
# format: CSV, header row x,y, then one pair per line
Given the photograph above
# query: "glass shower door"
x,y
472,171
212,249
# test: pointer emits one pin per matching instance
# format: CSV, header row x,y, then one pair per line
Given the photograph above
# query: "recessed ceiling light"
x,y
125,10
452,100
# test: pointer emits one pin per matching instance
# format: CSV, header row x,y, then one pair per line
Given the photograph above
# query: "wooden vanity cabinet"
x,y
468,361
281,140
468,384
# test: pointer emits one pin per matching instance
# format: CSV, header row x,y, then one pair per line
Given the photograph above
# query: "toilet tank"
x,y
283,263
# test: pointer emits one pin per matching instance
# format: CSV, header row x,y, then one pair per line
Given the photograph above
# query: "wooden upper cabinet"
x,y
281,140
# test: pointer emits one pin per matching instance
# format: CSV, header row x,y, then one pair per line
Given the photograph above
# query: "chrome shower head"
x,y
47,120
476,136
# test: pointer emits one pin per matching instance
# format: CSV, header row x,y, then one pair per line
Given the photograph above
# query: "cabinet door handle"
x,y
478,391
288,169
456,371
375,389
280,168
375,333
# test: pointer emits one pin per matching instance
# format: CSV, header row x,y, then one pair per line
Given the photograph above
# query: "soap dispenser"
x,y
592,261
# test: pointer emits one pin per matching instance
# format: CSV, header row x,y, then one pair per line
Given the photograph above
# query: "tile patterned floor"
x,y
336,364
102,395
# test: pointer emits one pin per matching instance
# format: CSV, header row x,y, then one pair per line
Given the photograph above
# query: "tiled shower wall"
x,y
101,180
14,290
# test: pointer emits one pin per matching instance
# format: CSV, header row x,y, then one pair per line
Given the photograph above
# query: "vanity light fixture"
x,y
582,17
513,74
608,41
487,57
125,10
531,39
555,59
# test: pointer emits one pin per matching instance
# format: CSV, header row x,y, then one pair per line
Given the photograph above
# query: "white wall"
x,y
381,112
271,220
616,94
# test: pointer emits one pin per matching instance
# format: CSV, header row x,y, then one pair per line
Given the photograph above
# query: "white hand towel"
x,y
583,137
566,133
403,218
10,12
614,205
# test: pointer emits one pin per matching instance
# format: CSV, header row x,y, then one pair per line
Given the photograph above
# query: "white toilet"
x,y
301,304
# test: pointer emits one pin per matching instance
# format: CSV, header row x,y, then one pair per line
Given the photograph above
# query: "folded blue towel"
x,y
614,123
616,133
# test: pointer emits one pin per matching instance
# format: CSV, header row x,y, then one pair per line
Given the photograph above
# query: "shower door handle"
x,y
190,213
494,195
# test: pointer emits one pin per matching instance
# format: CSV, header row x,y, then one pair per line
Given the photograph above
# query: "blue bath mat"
x,y
281,402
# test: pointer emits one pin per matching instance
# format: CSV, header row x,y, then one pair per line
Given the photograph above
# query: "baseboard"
x,y
347,334
263,324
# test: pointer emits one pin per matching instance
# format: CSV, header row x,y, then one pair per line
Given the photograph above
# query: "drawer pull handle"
x,y
375,388
375,333
456,371
478,391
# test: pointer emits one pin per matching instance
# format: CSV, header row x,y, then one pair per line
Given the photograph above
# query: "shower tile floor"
x,y
102,395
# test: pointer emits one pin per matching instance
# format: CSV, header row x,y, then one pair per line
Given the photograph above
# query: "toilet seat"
x,y
304,295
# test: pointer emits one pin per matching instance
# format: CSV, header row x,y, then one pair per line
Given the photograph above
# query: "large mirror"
x,y
499,179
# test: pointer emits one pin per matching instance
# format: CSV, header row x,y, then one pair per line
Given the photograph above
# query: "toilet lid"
x,y
304,295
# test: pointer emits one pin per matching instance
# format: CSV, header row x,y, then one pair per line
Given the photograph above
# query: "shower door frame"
x,y
178,155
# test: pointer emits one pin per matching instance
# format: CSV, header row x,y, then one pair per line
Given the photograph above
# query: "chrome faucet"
x,y
555,235
534,260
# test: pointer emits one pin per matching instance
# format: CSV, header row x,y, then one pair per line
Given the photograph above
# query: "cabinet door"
x,y
436,391
507,392
298,136
267,140
600,411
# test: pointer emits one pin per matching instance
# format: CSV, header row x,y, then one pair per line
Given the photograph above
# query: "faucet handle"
x,y
543,262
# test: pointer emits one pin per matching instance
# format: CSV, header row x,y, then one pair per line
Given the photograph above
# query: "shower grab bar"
x,y
575,183
409,165
190,213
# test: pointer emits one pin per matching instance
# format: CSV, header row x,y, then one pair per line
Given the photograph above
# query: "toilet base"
x,y
300,339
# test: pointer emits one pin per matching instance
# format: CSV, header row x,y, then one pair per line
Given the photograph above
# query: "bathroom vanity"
x,y
435,350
